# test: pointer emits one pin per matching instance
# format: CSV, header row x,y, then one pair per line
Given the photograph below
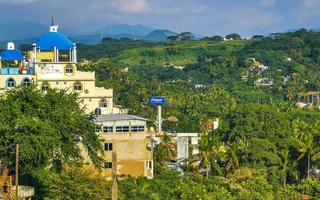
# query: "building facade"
x,y
53,64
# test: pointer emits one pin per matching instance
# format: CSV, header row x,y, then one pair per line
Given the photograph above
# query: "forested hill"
x,y
252,86
268,70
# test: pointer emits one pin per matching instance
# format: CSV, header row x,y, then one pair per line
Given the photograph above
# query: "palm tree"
x,y
285,163
233,160
205,153
218,152
308,149
165,150
304,134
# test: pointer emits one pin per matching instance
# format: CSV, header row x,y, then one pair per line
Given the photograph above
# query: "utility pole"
x,y
114,176
159,119
17,171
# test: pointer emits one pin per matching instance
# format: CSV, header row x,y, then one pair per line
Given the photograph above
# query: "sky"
x,y
205,17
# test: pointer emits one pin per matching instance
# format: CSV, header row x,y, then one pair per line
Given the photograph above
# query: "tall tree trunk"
x,y
309,165
285,178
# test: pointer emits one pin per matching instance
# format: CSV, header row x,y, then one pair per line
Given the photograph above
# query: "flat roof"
x,y
118,117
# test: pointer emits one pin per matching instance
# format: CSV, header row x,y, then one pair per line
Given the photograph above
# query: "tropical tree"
x,y
48,127
73,183
305,135
165,150
205,153
285,165
218,155
232,156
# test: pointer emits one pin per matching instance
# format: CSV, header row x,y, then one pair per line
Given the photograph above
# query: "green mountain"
x,y
122,29
159,35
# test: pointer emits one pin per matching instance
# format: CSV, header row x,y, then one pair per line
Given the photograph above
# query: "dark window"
x,y
108,146
77,87
103,103
108,165
69,70
26,81
137,128
149,164
108,129
45,87
11,82
122,129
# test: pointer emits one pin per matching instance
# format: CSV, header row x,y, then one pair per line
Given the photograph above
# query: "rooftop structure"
x,y
53,64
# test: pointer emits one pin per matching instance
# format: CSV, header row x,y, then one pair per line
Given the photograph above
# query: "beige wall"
x,y
54,74
131,149
17,78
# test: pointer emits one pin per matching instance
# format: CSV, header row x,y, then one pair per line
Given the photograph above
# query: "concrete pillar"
x,y
74,53
55,53
34,58
70,55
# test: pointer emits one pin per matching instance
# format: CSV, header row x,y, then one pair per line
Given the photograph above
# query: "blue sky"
x,y
206,17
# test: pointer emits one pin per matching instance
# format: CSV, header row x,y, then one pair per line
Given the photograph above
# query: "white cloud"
x,y
124,6
177,9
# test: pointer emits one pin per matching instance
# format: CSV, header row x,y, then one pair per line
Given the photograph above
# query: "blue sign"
x,y
157,100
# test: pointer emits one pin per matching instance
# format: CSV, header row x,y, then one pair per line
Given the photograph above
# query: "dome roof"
x,y
11,54
50,40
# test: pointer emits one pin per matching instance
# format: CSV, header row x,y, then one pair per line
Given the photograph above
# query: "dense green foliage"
x,y
73,183
265,147
38,123
48,128
261,128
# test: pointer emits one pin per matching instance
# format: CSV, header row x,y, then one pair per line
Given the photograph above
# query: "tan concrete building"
x,y
53,64
127,136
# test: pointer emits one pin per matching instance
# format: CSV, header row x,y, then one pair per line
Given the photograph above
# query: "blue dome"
x,y
50,40
11,55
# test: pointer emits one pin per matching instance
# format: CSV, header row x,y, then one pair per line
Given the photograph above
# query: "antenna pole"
x,y
17,171
114,177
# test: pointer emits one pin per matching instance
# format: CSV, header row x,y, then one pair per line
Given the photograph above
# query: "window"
x,y
137,128
26,81
11,83
108,165
77,87
103,103
108,146
69,70
45,87
122,129
108,129
149,164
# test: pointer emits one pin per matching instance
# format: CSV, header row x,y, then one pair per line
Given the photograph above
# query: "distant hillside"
x,y
132,30
19,30
159,35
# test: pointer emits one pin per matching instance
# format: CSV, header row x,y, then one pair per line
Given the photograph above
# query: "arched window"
x,y
10,83
103,103
26,81
45,87
77,87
